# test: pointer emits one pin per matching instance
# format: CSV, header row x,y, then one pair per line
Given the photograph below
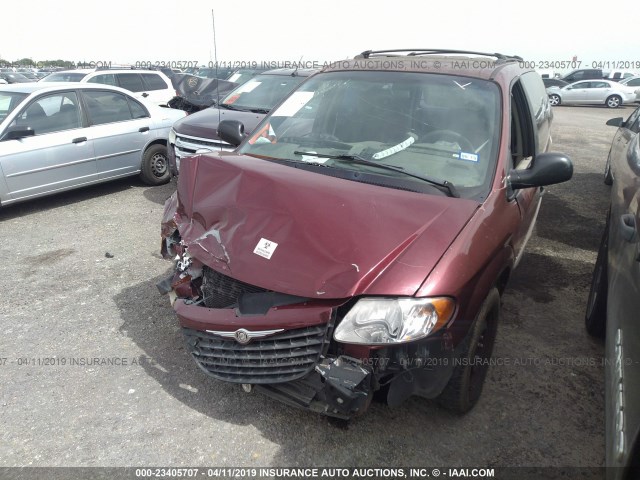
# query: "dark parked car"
x,y
554,82
613,307
205,88
248,103
359,240
583,74
14,77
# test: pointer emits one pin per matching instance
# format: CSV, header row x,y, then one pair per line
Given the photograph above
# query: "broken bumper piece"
x,y
339,387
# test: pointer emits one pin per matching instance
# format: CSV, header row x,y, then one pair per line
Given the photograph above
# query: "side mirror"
x,y
17,132
616,122
231,131
547,169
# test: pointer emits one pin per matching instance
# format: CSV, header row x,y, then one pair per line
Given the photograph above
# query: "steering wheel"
x,y
449,136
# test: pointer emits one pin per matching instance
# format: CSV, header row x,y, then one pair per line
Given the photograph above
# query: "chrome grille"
x,y
186,145
282,357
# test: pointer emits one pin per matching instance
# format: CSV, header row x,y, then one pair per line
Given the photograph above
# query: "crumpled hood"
x,y
204,124
307,234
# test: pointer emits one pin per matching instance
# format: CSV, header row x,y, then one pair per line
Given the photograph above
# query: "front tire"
x,y
595,318
155,166
614,101
465,385
554,100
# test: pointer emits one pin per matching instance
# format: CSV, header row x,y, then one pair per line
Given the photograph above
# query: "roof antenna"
x,y
293,74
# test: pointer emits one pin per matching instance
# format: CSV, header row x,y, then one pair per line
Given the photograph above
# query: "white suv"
x,y
150,85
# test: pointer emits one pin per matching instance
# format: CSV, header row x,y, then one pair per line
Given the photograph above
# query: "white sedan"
x,y
59,136
592,92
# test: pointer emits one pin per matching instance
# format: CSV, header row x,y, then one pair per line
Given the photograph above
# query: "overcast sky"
x,y
279,30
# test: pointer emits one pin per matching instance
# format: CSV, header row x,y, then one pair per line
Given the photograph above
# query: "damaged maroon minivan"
x,y
358,241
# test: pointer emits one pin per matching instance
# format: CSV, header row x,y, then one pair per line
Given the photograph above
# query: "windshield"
x,y
243,75
263,92
64,77
9,101
441,127
15,78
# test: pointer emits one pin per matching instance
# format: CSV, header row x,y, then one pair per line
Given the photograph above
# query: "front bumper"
x,y
291,357
283,345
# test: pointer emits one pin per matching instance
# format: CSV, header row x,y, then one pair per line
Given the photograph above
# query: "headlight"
x,y
375,321
172,136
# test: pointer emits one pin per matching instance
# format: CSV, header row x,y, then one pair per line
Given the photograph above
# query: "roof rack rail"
x,y
435,51
117,67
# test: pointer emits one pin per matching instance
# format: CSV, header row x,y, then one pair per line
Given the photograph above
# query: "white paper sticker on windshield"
x,y
265,248
234,77
248,87
472,157
313,158
294,103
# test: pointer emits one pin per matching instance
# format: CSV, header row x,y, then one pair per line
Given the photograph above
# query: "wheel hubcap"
x,y
158,165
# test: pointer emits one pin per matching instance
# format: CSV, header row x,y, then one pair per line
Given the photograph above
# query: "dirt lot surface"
x,y
77,285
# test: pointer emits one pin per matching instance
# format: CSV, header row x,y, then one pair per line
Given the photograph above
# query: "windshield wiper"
x,y
447,185
231,107
244,109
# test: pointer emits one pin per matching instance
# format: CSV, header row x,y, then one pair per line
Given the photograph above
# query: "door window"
x,y
107,107
105,78
582,85
51,113
131,81
154,82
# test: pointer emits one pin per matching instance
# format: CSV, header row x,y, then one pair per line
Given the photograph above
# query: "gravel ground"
x,y
78,289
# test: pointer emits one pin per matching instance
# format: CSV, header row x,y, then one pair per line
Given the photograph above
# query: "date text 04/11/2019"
x,y
74,361
386,473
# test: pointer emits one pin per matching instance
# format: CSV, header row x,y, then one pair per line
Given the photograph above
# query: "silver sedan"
x,y
592,92
55,137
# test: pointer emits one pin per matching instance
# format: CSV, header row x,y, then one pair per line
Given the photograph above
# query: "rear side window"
x,y
105,78
107,107
131,81
137,110
154,82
